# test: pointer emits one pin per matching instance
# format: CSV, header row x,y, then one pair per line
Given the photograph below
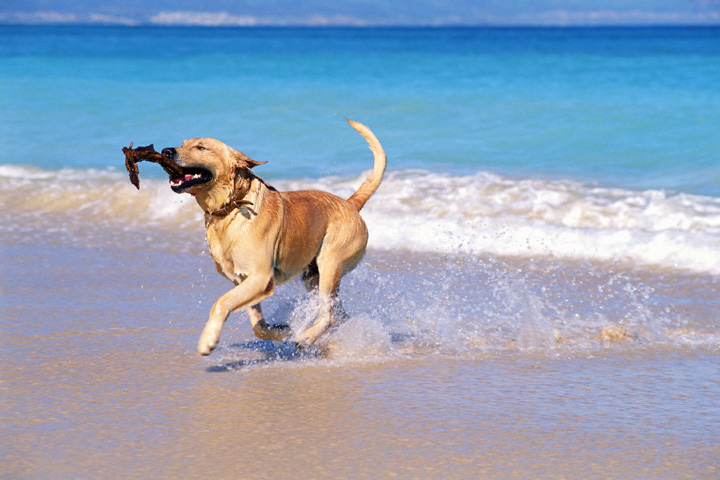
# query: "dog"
x,y
260,237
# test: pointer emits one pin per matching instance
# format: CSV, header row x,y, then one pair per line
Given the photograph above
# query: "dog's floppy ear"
x,y
245,161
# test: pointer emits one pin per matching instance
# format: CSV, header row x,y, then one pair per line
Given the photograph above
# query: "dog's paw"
x,y
282,328
205,350
302,343
208,341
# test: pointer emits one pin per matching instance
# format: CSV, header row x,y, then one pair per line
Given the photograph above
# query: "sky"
x,y
363,12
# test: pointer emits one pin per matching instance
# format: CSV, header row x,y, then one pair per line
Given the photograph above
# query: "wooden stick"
x,y
148,153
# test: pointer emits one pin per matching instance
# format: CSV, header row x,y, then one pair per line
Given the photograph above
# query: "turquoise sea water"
x,y
636,108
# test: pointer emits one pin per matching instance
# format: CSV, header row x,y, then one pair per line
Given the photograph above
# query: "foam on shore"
x,y
416,211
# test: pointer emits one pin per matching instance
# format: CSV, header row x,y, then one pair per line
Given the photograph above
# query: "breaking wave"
x,y
414,210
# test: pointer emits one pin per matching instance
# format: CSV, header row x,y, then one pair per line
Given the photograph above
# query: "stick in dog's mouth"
x,y
180,178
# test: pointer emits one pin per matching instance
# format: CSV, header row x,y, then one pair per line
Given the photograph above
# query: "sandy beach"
x,y
101,380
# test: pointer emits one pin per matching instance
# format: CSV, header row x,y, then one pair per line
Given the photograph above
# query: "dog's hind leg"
x,y
328,284
264,331
342,250
311,276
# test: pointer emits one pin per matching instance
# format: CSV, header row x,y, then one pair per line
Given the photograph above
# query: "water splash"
x,y
470,307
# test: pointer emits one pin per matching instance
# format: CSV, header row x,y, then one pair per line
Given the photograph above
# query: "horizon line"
x,y
363,26
555,19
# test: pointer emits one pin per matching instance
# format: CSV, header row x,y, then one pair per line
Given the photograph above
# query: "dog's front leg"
x,y
264,331
251,291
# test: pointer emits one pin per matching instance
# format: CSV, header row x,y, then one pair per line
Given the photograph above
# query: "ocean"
x,y
539,297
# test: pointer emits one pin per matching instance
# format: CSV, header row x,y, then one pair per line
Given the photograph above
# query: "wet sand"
x,y
100,380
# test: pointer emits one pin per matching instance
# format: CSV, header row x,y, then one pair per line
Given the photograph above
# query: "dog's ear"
x,y
245,161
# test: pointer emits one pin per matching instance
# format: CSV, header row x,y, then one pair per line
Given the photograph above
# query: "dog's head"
x,y
210,169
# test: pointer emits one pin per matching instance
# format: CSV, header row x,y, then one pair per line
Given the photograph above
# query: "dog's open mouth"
x,y
190,177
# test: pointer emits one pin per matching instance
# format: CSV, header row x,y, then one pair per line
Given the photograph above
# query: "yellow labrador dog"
x,y
260,237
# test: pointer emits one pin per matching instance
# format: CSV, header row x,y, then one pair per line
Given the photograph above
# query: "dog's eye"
x,y
200,147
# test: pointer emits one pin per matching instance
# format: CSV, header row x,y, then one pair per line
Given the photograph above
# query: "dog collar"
x,y
235,202
225,210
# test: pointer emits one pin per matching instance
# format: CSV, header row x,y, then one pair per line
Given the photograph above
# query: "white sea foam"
x,y
486,213
423,212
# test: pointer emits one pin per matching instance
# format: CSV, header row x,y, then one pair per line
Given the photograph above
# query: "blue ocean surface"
x,y
628,107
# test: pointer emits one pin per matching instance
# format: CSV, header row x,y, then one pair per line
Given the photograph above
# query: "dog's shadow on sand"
x,y
260,352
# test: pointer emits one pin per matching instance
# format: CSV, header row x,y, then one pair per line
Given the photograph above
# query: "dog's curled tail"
x,y
372,183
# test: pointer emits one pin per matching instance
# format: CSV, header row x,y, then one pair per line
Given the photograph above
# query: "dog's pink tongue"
x,y
177,181
185,178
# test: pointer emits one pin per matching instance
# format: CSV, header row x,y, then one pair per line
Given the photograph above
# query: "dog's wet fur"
x,y
260,237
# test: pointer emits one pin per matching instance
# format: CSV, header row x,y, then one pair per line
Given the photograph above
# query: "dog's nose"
x,y
169,152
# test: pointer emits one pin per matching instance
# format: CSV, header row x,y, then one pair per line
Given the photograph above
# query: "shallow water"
x,y
628,416
510,375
